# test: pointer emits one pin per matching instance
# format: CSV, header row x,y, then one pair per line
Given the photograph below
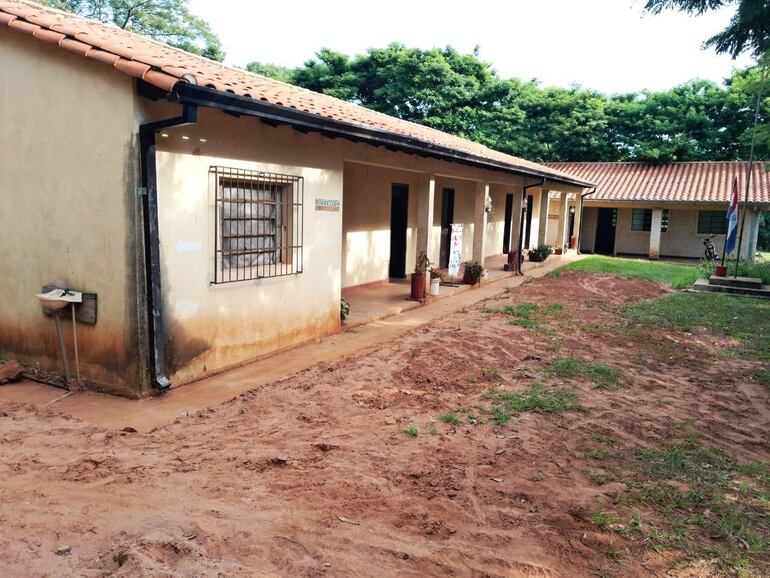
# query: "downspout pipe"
x,y
522,224
580,229
155,326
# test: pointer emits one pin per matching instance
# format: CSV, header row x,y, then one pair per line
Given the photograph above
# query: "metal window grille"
x,y
712,223
258,224
641,220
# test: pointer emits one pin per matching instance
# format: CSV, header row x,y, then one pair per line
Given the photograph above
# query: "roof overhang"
x,y
191,94
667,202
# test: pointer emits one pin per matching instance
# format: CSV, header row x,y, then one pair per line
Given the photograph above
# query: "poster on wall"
x,y
455,250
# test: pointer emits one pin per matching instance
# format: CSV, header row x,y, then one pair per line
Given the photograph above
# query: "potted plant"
x,y
472,273
436,278
540,254
344,309
418,277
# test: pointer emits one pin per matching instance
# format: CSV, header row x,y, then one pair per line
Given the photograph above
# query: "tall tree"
x,y
168,21
747,31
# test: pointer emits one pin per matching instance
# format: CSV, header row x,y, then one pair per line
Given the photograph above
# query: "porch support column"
x,y
542,225
563,221
481,194
426,193
578,219
655,227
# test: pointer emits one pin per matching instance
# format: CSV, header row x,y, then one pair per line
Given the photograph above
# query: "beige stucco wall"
x,y
213,327
366,219
680,240
366,222
67,182
588,229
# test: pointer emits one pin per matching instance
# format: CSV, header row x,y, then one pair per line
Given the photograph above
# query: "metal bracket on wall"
x,y
85,312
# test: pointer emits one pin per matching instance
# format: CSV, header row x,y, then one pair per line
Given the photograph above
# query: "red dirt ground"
x,y
314,476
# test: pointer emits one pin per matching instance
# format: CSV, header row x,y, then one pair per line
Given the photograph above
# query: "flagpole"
x,y
749,171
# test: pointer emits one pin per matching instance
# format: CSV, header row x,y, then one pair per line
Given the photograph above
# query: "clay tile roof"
x,y
163,67
699,182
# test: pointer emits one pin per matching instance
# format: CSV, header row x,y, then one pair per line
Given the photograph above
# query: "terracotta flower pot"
x,y
418,286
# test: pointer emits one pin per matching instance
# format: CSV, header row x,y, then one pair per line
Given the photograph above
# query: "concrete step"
x,y
763,291
748,282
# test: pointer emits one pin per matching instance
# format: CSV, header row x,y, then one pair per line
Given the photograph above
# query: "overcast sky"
x,y
607,45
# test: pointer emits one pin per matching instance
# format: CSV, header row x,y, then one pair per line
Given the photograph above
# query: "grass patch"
x,y
412,430
603,376
744,319
709,505
762,376
450,418
672,274
760,268
528,315
537,398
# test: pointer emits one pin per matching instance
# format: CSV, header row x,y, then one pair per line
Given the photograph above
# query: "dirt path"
x,y
314,476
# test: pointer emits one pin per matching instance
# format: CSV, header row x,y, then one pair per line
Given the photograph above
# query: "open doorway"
x,y
447,216
508,219
528,230
606,223
399,212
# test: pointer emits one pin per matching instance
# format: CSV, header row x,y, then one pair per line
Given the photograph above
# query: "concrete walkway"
x,y
116,413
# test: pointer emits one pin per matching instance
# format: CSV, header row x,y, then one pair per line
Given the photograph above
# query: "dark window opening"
x,y
712,222
641,220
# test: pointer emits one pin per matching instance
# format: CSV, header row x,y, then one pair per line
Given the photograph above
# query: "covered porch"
x,y
373,302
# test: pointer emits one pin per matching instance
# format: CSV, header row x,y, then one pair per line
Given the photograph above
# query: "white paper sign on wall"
x,y
455,249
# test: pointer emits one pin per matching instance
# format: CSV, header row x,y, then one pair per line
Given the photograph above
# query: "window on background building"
x,y
258,224
641,220
712,222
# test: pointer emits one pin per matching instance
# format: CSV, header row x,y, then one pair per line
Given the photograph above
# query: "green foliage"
x,y
763,239
450,419
275,71
748,30
744,319
538,398
710,506
528,315
461,94
472,272
571,367
540,254
412,430
677,276
168,21
344,309
760,268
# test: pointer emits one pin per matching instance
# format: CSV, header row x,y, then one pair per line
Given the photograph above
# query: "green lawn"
x,y
673,274
744,319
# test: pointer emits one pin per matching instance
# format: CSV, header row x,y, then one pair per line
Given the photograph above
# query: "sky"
x,y
605,45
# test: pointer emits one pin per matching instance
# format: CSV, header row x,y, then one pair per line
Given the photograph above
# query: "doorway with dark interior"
x,y
447,216
606,223
508,219
528,230
399,212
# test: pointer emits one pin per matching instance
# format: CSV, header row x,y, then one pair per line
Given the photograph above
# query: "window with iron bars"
x,y
258,224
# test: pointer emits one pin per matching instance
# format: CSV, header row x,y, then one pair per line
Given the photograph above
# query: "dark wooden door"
x,y
447,215
605,231
508,219
399,211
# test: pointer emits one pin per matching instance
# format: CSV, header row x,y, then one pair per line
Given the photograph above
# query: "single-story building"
x,y
659,210
209,215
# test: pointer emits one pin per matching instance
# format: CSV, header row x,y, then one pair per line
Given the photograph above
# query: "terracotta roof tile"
x,y
163,66
673,182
